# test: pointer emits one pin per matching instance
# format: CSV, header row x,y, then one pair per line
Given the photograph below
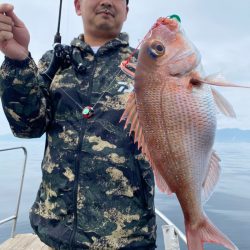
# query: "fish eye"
x,y
157,49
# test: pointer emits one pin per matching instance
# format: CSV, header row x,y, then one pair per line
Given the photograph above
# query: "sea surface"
x,y
228,208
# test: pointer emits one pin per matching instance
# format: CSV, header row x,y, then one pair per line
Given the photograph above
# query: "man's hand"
x,y
14,36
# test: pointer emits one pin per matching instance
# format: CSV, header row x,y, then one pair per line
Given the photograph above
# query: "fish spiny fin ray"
x,y
212,177
224,106
206,232
131,116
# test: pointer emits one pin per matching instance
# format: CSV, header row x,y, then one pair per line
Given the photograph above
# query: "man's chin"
x,y
107,27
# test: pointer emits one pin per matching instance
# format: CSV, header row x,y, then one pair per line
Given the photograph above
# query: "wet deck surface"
x,y
24,242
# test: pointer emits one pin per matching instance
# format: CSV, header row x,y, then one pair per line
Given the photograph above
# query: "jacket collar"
x,y
120,41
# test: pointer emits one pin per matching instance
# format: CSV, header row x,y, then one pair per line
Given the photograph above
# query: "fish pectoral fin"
x,y
216,80
224,106
212,177
128,68
161,183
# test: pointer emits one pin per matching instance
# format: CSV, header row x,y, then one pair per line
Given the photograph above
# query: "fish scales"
x,y
185,133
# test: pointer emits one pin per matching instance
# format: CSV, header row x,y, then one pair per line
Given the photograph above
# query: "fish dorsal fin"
x,y
224,106
131,116
212,177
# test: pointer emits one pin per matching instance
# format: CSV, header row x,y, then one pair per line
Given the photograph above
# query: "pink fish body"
x,y
173,115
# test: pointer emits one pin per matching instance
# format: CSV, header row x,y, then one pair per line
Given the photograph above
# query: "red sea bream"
x,y
172,112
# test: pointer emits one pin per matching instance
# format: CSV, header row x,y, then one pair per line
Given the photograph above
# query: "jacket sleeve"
x,y
25,96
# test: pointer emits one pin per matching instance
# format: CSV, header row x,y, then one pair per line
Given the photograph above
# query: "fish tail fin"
x,y
206,232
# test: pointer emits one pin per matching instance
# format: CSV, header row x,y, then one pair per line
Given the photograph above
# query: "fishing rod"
x,y
62,54
58,38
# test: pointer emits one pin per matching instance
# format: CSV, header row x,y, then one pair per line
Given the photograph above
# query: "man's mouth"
x,y
106,11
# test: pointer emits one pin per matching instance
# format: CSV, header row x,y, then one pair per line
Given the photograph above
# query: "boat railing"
x,y
171,233
15,216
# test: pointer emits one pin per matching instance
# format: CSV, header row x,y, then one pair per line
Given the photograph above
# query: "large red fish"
x,y
172,112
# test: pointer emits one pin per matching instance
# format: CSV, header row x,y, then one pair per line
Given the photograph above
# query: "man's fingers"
x,y
5,35
5,19
17,22
5,27
7,10
14,36
5,7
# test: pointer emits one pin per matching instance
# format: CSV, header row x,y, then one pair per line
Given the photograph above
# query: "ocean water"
x,y
228,208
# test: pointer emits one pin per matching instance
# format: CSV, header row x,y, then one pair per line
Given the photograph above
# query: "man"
x,y
97,190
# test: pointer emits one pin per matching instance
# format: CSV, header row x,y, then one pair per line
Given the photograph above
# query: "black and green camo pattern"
x,y
97,190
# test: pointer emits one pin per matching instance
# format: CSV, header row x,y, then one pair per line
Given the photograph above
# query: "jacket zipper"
x,y
77,162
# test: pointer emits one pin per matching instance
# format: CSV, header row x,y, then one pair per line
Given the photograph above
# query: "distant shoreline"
x,y
222,135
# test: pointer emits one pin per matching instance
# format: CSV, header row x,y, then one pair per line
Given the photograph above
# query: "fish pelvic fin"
x,y
212,177
206,232
223,105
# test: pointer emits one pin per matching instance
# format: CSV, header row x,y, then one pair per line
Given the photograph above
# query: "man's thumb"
x,y
15,19
5,7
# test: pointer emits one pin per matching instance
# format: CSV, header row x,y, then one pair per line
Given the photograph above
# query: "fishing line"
x,y
77,103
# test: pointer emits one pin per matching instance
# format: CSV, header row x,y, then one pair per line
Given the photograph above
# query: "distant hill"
x,y
232,135
222,135
12,138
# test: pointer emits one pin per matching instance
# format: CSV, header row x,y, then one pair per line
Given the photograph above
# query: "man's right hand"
x,y
14,36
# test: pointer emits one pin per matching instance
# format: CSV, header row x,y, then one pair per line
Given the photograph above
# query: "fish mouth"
x,y
171,24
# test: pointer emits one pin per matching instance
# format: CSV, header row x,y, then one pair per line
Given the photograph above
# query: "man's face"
x,y
102,16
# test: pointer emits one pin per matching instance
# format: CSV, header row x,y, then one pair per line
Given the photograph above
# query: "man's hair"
x,y
127,1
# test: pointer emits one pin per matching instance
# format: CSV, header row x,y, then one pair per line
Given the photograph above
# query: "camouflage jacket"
x,y
97,190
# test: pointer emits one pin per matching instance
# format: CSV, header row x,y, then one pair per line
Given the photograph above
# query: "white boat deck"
x,y
24,242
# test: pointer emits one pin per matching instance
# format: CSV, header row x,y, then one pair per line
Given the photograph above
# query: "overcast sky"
x,y
220,29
